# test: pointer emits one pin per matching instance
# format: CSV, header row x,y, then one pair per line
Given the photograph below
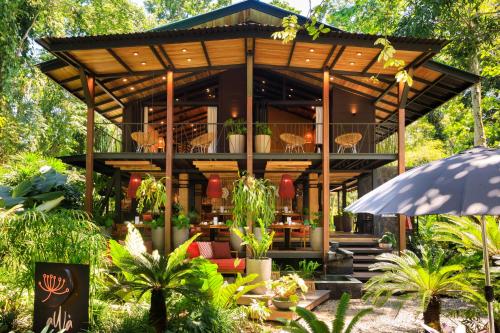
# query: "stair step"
x,y
359,258
364,276
365,250
361,267
358,243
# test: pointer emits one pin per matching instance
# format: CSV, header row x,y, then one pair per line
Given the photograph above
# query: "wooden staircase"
x,y
365,249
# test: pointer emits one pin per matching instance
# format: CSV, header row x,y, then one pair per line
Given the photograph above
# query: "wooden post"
x,y
169,155
88,84
184,191
249,64
326,165
313,195
403,89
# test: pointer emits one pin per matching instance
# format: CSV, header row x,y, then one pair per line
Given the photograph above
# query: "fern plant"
x,y
151,195
314,325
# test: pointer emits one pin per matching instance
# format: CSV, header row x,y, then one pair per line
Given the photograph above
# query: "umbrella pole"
x,y
488,289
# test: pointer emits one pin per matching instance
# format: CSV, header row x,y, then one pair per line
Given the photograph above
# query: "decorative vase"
x,y
283,304
234,240
263,143
236,143
263,268
158,238
317,239
180,235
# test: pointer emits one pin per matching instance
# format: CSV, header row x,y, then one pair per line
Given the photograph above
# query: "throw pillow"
x,y
206,250
221,250
193,250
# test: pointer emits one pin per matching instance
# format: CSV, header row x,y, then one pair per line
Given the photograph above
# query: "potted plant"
x,y
236,130
307,269
151,198
262,138
275,271
158,232
285,291
180,223
387,241
234,240
316,232
257,261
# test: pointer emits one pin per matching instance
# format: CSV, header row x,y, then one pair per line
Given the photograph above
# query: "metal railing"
x,y
366,138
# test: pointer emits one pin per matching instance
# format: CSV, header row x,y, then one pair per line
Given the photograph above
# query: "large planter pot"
x,y
180,235
235,240
346,223
257,231
236,143
283,304
263,268
262,143
317,239
337,221
158,238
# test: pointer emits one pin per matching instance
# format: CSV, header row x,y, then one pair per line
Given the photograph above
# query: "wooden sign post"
x,y
61,297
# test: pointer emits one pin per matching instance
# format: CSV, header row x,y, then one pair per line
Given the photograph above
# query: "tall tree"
x,y
166,11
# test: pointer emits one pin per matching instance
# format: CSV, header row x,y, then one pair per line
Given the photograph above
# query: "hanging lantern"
x,y
133,185
308,137
214,188
286,189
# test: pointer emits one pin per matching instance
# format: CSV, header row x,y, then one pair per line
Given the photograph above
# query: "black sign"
x,y
61,297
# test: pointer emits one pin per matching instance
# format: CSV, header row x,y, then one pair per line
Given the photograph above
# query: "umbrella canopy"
x,y
464,184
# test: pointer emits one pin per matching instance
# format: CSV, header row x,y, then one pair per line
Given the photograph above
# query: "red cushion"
x,y
221,250
227,265
193,250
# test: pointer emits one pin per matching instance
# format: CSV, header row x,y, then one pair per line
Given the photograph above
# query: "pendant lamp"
x,y
214,188
286,189
133,185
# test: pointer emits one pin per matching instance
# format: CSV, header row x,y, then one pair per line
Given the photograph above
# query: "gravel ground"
x,y
386,319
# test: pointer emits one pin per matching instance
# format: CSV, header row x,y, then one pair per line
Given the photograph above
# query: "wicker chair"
x,y
202,142
293,142
144,140
348,141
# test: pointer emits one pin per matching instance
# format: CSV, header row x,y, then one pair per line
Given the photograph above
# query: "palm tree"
x,y
314,325
143,273
427,279
466,232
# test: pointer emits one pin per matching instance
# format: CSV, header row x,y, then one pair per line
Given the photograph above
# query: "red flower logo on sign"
x,y
54,285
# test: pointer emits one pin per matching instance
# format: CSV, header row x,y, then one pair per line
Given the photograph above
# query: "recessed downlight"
x,y
307,60
124,79
188,59
136,53
311,50
184,50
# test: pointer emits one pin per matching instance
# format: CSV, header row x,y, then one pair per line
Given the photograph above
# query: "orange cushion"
x,y
193,250
228,265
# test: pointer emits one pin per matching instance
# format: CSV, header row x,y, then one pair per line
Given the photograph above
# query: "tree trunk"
x,y
432,314
158,311
477,112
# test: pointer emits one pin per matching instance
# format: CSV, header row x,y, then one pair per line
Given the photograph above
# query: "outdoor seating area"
x,y
249,169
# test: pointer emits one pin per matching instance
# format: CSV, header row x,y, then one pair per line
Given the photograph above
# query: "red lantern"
x,y
214,188
133,185
286,189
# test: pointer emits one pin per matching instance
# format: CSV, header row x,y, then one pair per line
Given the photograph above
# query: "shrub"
x,y
26,165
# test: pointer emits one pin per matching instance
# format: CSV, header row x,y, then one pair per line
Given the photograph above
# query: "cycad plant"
x,y
427,280
314,325
156,275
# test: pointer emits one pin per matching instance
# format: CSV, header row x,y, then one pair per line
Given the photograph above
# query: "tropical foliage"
x,y
425,279
258,247
151,195
314,325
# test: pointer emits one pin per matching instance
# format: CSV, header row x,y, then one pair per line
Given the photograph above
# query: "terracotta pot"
x,y
263,143
147,217
317,238
158,238
236,143
263,268
283,304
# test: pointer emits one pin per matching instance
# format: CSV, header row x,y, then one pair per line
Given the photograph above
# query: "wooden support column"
x,y
250,112
88,84
403,89
313,195
326,165
169,156
197,197
184,192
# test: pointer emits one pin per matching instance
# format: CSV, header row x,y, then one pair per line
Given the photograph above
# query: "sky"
x,y
303,5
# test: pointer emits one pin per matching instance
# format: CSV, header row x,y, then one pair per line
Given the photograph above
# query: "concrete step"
x,y
361,267
365,250
360,258
364,276
358,243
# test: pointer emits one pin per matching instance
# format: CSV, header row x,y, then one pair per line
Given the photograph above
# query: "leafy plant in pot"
x,y
158,232
316,233
387,241
151,197
257,260
236,130
285,291
262,138
181,223
307,269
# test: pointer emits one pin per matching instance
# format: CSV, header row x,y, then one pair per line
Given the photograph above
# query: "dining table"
x,y
214,229
287,228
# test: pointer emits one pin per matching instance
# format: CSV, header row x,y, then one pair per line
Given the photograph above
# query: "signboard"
x,y
61,297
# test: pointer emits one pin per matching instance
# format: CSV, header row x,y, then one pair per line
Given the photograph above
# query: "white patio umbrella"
x,y
464,184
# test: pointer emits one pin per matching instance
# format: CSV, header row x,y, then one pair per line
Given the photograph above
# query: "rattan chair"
x,y
202,142
293,142
348,141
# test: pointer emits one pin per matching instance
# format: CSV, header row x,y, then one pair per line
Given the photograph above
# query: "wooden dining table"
x,y
214,229
288,232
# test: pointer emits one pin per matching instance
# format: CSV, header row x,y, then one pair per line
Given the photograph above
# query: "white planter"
x,y
262,143
317,239
236,143
257,231
180,235
234,240
262,267
158,238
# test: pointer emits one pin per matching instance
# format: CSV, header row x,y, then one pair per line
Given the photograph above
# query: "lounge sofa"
x,y
220,254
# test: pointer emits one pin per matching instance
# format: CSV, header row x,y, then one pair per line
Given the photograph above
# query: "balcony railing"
x,y
276,138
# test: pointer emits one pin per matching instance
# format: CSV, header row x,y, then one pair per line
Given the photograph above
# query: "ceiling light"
x,y
132,88
359,54
150,109
263,82
208,89
136,53
195,129
263,90
351,63
163,78
143,63
125,80
188,59
289,95
176,99
161,122
291,89
311,50
331,78
184,50
307,60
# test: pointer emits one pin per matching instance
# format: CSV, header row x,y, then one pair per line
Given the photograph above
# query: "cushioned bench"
x,y
218,253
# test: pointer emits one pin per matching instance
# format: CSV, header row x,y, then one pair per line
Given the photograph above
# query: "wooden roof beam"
x,y
205,52
337,57
371,63
158,57
120,60
290,55
328,57
165,54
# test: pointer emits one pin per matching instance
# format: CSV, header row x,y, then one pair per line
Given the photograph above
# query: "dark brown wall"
x,y
232,94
